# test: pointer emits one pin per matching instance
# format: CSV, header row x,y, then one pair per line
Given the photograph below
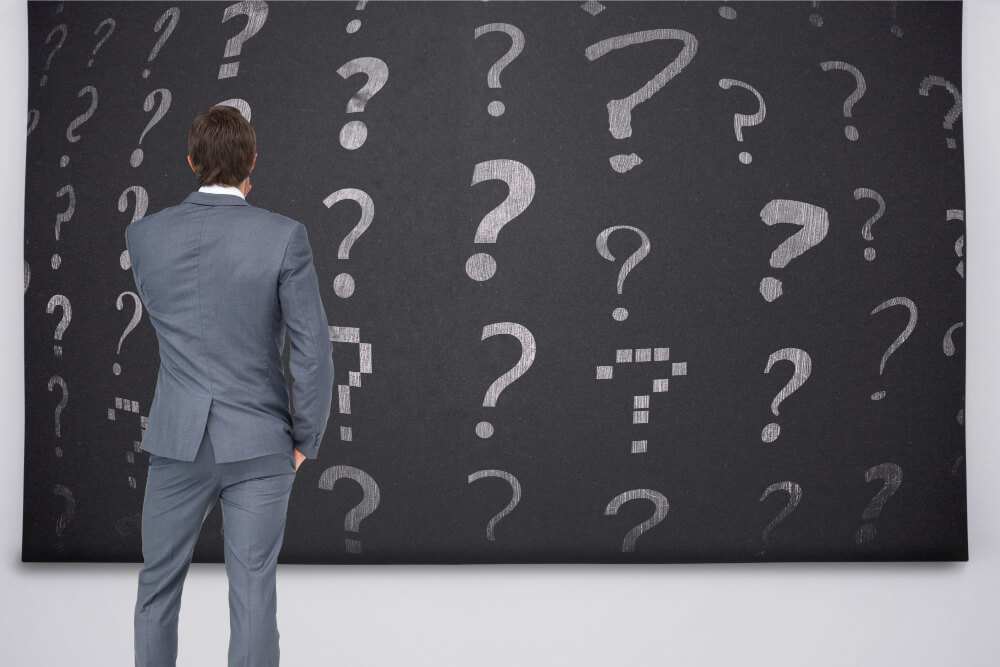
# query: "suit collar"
x,y
215,199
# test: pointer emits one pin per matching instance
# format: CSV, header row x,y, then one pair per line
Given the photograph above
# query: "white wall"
x,y
748,614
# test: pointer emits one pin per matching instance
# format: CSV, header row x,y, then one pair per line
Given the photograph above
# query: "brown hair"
x,y
222,145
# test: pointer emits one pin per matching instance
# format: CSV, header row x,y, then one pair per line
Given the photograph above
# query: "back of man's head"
x,y
222,145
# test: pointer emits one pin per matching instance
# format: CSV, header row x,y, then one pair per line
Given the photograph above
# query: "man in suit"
x,y
222,281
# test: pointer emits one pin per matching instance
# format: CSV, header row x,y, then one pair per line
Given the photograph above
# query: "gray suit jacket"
x,y
221,281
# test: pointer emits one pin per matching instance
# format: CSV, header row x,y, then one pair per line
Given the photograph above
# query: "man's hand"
x,y
299,458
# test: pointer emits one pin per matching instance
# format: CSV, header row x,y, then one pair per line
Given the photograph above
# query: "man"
x,y
222,281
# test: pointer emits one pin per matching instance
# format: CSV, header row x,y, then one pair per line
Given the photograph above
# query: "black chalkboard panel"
x,y
616,282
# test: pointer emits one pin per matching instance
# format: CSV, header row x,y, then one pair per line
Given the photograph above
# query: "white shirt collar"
x,y
221,190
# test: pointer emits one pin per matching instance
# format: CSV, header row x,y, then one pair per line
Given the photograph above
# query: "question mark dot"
x,y
878,395
353,135
869,253
64,160
770,288
481,266
620,314
865,534
116,368
897,31
727,13
496,108
950,142
343,285
353,26
851,132
136,158
770,432
56,261
484,430
746,158
816,20
59,452
145,73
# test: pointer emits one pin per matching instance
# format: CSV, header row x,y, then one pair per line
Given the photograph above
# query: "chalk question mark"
x,y
620,111
173,15
80,120
66,516
64,216
355,24
61,301
794,492
621,313
484,429
515,488
61,29
141,203
369,500
956,109
354,133
64,390
850,131
343,284
814,222
947,343
803,368
136,159
496,108
110,22
742,120
660,509
520,193
893,476
133,323
958,214
866,231
256,13
895,301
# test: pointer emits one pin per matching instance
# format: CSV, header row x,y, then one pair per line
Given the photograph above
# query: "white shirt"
x,y
221,189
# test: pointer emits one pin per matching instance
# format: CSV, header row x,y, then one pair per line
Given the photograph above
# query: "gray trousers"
x,y
179,497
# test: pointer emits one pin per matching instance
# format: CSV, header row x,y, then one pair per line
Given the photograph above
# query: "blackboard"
x,y
607,282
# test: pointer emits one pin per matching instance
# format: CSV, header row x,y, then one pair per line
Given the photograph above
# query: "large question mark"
x,y
484,429
343,284
958,214
794,492
814,222
620,111
256,13
803,368
61,301
174,15
369,500
850,131
53,381
496,107
61,29
742,120
520,193
133,323
80,120
893,476
515,487
161,110
110,22
239,104
866,231
354,133
895,301
141,204
64,216
956,109
621,313
660,504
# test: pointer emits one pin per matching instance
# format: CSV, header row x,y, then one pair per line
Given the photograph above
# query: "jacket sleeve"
x,y
311,355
